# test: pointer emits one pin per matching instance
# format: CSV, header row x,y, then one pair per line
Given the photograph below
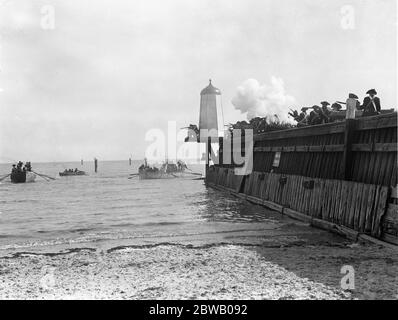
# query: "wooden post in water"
x,y
208,154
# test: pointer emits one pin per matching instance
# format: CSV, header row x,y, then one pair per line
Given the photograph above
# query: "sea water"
x,y
109,209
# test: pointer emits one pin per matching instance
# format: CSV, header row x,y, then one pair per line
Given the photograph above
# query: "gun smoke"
x,y
263,100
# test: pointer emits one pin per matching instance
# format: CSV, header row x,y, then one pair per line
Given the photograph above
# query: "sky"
x,y
84,79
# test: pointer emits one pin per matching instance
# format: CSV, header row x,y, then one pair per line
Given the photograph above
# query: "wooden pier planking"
x,y
362,201
357,206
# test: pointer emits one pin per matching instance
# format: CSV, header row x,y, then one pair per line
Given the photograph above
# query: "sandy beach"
x,y
207,272
204,245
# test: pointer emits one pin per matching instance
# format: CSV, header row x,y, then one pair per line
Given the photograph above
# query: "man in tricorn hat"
x,y
303,114
371,104
315,116
336,106
325,111
300,118
325,104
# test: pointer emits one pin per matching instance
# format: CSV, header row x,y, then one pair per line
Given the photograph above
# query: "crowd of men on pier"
x,y
326,113
314,115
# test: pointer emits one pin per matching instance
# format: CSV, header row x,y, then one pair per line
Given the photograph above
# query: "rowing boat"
x,y
22,176
72,173
166,171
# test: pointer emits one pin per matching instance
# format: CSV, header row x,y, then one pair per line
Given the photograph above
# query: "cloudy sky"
x,y
110,70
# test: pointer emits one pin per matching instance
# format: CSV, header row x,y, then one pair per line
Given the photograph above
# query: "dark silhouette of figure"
x,y
371,104
336,106
300,118
315,116
193,133
325,111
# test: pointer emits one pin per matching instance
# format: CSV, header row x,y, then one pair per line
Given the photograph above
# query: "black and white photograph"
x,y
206,152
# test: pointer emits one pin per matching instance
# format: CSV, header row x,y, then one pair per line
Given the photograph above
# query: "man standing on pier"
x,y
352,104
371,104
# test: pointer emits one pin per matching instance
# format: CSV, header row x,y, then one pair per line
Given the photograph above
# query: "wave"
x,y
148,224
296,243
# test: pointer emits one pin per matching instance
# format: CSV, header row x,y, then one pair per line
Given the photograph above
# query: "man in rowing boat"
x,y
19,166
28,166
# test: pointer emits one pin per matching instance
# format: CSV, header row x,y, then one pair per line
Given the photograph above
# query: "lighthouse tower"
x,y
211,118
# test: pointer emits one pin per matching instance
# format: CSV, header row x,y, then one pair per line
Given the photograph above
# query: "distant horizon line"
x,y
58,161
114,160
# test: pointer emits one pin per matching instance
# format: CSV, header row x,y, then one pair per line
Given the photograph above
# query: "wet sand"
x,y
237,250
204,272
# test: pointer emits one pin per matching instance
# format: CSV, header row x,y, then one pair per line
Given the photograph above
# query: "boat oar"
x,y
43,178
43,175
196,174
3,177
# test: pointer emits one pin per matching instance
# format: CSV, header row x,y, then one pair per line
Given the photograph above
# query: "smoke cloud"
x,y
263,100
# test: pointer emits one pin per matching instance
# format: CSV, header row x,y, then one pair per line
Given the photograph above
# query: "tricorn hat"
x,y
353,96
336,106
325,103
304,109
315,107
371,91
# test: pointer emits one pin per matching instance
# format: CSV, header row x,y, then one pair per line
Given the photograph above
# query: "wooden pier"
x,y
340,176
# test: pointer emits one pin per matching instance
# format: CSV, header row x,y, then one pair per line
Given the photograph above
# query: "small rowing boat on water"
x,y
67,173
166,171
21,173
22,176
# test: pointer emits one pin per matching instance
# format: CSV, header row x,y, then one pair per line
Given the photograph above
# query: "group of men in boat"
x,y
71,170
20,167
166,167
146,167
319,115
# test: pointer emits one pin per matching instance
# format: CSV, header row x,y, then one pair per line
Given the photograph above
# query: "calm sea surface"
x,y
108,208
